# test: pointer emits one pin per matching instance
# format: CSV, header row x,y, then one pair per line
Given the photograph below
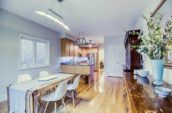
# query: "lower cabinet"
x,y
76,69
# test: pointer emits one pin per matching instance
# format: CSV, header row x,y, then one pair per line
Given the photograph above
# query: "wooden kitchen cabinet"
x,y
69,49
79,50
75,50
83,70
76,69
72,50
65,47
84,52
63,68
68,69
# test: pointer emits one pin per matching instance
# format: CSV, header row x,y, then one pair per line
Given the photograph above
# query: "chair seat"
x,y
50,97
70,87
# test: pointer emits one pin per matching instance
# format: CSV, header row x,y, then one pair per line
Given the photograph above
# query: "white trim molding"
x,y
3,97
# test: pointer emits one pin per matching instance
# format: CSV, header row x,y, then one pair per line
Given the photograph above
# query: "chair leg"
x,y
64,105
46,107
73,98
55,107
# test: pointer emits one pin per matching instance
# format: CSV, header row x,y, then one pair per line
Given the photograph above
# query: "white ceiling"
x,y
97,18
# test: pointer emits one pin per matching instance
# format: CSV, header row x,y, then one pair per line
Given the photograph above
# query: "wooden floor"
x,y
105,96
3,107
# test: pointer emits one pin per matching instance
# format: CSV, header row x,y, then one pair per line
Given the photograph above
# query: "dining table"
x,y
25,97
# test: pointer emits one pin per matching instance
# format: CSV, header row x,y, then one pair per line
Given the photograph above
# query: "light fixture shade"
x,y
81,41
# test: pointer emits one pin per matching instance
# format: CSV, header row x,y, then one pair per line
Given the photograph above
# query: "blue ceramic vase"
x,y
157,70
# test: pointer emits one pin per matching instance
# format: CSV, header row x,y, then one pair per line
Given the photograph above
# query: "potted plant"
x,y
154,44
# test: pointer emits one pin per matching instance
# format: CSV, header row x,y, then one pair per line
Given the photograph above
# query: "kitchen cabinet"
x,y
75,50
79,50
69,49
63,68
84,70
84,52
72,50
76,69
65,47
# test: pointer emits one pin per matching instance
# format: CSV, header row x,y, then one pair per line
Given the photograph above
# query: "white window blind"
x,y
170,55
34,52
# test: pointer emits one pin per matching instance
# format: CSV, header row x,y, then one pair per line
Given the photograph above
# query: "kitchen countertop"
x,y
142,98
78,64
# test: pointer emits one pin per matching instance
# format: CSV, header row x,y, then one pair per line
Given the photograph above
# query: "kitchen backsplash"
x,y
72,60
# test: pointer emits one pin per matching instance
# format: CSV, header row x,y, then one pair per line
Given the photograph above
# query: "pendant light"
x,y
81,41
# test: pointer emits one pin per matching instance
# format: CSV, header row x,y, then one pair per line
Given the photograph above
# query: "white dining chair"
x,y
23,78
44,74
55,96
71,88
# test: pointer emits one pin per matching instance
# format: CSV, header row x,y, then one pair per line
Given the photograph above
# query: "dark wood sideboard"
x,y
141,98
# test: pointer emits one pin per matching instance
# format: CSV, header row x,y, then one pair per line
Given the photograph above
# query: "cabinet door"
x,y
63,47
70,69
79,50
82,70
67,51
63,68
85,52
71,48
75,50
82,51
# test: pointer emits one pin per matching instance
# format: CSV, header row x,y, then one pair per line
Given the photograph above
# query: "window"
x,y
34,52
169,58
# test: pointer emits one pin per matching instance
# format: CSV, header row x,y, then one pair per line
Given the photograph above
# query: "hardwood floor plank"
x,y
3,107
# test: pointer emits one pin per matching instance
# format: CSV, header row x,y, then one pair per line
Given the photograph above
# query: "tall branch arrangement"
x,y
155,42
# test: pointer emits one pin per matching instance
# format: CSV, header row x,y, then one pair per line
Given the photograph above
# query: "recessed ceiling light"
x,y
52,18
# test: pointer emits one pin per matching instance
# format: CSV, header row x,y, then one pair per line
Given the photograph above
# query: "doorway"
x,y
101,59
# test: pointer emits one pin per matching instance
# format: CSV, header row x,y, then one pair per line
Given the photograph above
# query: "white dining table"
x,y
22,96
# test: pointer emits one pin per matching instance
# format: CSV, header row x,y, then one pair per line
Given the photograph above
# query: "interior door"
x,y
115,59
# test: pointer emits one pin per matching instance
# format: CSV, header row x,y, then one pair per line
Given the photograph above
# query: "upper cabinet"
x,y
72,50
68,48
84,52
76,50
65,47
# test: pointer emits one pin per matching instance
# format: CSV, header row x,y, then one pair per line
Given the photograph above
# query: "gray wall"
x,y
10,28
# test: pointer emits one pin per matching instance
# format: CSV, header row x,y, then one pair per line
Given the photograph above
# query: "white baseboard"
x,y
3,97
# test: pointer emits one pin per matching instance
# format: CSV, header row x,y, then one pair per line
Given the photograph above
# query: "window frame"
x,y
35,40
